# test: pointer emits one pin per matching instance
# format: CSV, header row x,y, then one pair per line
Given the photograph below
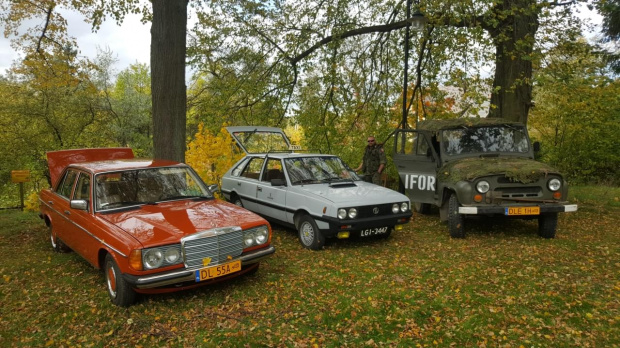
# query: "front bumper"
x,y
355,225
501,209
188,275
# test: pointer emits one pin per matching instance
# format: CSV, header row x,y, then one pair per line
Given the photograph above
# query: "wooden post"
x,y
21,196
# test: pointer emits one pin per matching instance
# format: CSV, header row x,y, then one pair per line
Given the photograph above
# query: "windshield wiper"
x,y
304,181
170,198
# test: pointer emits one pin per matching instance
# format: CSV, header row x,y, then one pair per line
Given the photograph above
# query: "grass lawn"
x,y
501,286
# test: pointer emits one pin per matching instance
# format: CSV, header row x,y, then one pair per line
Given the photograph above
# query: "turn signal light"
x,y
478,198
135,260
557,195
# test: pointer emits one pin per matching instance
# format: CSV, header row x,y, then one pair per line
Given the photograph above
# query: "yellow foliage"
x,y
212,155
31,203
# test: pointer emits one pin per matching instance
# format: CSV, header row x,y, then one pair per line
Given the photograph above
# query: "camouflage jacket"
x,y
374,156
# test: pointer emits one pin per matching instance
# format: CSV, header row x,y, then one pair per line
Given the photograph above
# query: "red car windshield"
x,y
147,186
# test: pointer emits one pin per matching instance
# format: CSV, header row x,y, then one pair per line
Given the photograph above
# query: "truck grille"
x,y
518,192
220,245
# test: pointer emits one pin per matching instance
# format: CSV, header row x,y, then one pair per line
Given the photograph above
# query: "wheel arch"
x,y
298,214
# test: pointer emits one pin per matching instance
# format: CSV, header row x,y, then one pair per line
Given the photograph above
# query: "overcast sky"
x,y
129,43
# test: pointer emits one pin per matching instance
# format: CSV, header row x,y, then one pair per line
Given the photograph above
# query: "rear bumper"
x,y
188,275
501,210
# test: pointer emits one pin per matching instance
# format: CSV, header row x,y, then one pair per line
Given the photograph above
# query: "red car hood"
x,y
168,222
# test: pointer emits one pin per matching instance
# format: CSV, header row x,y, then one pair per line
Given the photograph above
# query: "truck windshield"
x,y
480,140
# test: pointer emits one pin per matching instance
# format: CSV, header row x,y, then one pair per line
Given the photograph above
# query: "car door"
x,y
247,183
59,202
416,162
86,243
272,199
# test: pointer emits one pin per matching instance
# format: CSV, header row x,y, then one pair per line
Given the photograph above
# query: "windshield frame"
x,y
132,182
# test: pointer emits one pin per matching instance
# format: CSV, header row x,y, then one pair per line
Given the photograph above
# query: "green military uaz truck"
x,y
478,167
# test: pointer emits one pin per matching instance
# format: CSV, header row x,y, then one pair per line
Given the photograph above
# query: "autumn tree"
x,y
580,129
610,10
293,37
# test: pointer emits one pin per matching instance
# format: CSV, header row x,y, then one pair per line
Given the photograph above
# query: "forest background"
x,y
331,101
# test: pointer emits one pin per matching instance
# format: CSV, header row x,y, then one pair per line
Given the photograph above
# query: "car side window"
x,y
252,170
239,168
407,143
273,170
66,185
423,148
82,188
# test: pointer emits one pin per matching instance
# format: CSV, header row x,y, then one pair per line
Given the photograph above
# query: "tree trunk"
x,y
168,46
514,39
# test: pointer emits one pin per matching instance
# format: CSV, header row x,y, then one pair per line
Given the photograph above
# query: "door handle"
x,y
259,189
238,183
401,166
50,202
67,212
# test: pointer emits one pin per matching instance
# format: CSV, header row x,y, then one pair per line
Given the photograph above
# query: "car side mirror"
x,y
536,146
214,188
79,204
278,182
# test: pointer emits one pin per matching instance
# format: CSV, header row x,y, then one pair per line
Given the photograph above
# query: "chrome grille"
x,y
218,244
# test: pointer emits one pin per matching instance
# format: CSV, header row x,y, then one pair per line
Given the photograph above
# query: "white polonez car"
x,y
317,194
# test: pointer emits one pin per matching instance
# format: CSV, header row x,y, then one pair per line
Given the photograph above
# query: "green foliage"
x,y
60,102
577,115
502,286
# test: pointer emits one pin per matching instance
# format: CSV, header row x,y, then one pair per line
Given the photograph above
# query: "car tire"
x,y
547,224
455,220
120,292
310,236
57,244
422,208
236,201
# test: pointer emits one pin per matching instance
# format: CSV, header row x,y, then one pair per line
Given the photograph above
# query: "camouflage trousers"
x,y
373,178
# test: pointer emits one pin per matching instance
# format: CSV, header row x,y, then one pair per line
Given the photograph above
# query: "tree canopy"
x,y
333,69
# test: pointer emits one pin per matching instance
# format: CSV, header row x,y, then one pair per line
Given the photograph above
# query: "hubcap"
x,y
307,233
111,275
52,239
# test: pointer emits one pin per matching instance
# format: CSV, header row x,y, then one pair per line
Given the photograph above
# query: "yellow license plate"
x,y
218,271
522,211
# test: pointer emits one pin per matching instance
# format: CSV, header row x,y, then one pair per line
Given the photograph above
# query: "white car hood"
x,y
358,194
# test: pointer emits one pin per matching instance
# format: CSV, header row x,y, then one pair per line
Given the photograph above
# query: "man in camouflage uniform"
x,y
373,162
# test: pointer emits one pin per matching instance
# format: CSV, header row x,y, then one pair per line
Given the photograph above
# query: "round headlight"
x,y
352,213
554,184
483,186
395,208
248,239
153,258
172,255
261,235
404,207
342,213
